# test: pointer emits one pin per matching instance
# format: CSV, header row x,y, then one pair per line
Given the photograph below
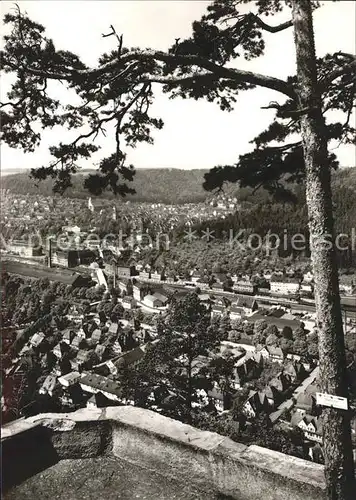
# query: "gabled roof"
x,y
100,349
102,383
275,351
160,297
245,302
130,357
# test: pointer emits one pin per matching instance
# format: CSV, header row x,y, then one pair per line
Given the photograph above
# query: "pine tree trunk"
x,y
339,469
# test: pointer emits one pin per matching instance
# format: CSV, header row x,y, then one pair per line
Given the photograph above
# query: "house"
x,y
100,350
145,275
236,312
217,287
24,248
195,276
255,404
130,358
113,329
152,301
306,287
138,291
295,371
267,274
69,379
282,382
71,229
293,357
82,358
68,336
347,283
105,369
60,349
158,276
162,298
220,278
308,277
48,385
275,354
37,339
284,286
217,310
93,383
312,428
263,351
247,305
79,342
65,258
128,303
242,286
125,271
274,395
99,400
125,285
96,335
220,400
305,403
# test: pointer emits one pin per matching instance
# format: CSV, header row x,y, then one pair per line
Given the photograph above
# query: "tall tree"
x,y
168,364
339,468
119,91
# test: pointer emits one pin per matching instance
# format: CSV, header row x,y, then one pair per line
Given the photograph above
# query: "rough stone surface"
x,y
106,478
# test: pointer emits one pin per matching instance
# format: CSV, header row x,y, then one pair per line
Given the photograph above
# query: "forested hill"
x,y
178,186
153,185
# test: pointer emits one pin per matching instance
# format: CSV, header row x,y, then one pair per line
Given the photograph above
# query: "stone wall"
x,y
160,444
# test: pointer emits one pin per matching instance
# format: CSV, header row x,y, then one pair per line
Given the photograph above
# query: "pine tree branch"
x,y
329,78
272,29
213,69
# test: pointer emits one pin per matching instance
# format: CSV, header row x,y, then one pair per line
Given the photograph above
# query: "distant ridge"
x,y
165,185
169,185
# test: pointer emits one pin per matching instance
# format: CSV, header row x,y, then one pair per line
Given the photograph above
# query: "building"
x,y
275,354
69,379
256,404
306,287
60,349
161,297
68,336
242,286
125,271
37,339
25,249
145,275
128,303
125,285
308,277
217,310
312,428
284,286
99,400
93,383
243,306
152,301
48,385
347,284
158,276
96,335
138,291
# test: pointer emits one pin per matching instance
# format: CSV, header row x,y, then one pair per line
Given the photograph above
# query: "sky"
x,y
197,134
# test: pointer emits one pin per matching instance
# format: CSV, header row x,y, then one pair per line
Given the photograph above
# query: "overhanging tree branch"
x,y
272,29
